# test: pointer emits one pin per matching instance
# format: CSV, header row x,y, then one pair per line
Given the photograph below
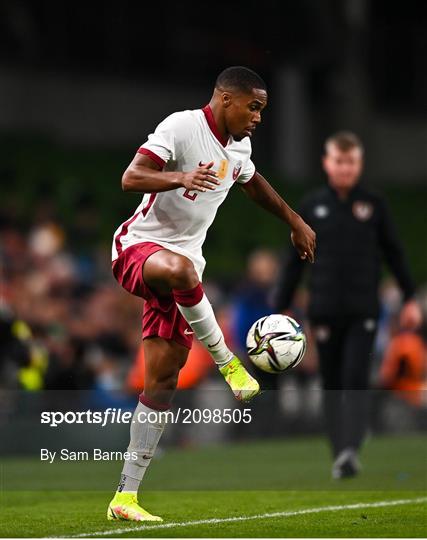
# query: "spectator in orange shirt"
x,y
404,367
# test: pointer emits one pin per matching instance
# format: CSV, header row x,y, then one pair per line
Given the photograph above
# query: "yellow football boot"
x,y
243,385
124,506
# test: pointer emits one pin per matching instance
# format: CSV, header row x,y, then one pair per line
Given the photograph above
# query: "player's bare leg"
x,y
167,272
163,360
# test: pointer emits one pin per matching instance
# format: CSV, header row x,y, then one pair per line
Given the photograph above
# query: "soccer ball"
x,y
276,343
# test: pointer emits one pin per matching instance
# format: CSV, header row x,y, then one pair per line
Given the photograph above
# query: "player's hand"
x,y
201,179
304,239
411,316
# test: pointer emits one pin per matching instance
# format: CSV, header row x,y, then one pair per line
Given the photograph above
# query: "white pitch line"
x,y
214,521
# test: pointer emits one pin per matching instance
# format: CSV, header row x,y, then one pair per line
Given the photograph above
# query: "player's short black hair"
x,y
239,78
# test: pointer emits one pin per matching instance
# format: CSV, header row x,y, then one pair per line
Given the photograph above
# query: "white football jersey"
x,y
179,219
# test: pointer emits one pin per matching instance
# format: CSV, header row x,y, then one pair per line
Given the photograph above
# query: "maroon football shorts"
x,y
161,316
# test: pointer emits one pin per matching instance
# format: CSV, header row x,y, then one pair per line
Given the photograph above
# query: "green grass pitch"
x,y
279,488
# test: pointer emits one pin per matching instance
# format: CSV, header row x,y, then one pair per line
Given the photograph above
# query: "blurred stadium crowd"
x,y
66,325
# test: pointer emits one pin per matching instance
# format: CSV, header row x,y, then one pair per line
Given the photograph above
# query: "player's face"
x,y
343,168
243,113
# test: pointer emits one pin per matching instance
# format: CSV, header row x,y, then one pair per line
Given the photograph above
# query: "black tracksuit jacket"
x,y
353,237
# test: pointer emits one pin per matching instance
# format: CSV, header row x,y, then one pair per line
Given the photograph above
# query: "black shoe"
x,y
346,465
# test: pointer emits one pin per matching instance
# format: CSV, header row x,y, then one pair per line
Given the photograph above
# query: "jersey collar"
x,y
354,191
212,124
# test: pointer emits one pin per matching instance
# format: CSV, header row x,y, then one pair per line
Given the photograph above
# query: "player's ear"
x,y
226,99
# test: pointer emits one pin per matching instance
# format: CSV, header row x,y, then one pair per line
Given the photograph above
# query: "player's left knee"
x,y
182,274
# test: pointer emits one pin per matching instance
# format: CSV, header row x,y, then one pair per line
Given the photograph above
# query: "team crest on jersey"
x,y
362,210
237,169
321,211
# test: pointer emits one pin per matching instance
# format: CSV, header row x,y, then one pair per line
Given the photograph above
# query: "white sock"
x,y
144,437
202,320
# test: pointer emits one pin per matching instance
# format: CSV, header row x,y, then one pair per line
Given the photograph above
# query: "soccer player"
x,y
185,170
355,231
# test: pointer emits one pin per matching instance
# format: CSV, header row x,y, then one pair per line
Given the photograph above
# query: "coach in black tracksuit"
x,y
354,232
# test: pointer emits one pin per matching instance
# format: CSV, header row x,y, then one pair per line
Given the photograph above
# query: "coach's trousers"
x,y
345,357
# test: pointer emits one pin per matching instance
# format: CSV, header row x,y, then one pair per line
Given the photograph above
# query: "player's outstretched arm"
x,y
302,235
145,176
